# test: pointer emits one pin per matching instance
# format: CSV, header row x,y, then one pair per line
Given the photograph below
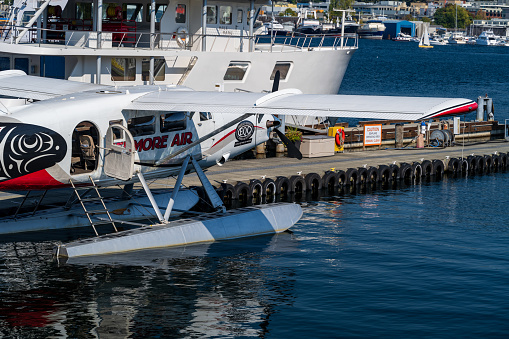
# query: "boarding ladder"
x,y
92,213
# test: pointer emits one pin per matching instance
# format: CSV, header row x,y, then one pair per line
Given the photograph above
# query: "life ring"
x,y
181,37
340,137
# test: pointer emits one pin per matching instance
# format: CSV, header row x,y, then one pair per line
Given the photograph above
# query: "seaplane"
x,y
58,134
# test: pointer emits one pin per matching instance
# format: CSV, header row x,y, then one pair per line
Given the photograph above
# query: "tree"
x,y
425,19
480,15
446,16
288,12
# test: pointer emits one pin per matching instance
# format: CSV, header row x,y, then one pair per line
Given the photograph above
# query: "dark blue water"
x,y
402,68
429,260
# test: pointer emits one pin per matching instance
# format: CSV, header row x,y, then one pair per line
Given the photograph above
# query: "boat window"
x,y
173,121
159,69
123,69
133,12
142,125
225,15
160,9
118,134
240,15
212,14
5,63
236,71
204,116
180,14
21,64
84,10
283,68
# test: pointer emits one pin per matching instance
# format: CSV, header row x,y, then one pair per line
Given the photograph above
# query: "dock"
x,y
249,181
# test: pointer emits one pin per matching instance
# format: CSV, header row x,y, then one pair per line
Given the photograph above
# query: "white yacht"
x,y
372,29
202,44
487,38
457,38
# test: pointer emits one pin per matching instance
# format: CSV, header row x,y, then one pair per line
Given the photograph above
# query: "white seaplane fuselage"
x,y
41,142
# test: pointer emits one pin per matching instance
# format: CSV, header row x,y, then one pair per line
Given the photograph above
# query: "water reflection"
x,y
222,289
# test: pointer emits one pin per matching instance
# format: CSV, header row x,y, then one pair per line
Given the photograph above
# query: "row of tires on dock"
x,y
333,182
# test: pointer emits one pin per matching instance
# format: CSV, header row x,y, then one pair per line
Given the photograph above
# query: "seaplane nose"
x,y
26,148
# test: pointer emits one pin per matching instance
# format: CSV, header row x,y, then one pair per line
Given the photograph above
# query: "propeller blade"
x,y
275,84
289,144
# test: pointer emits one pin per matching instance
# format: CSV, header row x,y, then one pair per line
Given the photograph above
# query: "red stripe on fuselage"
x,y
40,180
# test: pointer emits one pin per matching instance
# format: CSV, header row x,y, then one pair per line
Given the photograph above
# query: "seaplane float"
x,y
57,134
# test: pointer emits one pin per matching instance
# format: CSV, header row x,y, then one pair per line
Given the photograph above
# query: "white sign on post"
x,y
372,135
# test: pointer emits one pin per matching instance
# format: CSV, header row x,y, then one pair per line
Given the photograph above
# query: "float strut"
x,y
150,197
176,188
214,198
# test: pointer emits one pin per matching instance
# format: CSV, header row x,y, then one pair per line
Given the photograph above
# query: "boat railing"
x,y
175,40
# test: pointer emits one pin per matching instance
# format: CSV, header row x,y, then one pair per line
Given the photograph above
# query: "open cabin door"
x,y
119,153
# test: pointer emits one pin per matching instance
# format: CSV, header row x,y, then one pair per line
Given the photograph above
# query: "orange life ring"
x,y
340,137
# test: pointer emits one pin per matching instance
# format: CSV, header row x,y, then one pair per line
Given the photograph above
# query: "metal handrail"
x,y
301,41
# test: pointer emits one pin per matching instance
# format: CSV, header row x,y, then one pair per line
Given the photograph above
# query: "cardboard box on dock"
x,y
313,146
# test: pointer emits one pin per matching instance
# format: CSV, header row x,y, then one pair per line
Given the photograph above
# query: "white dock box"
x,y
314,146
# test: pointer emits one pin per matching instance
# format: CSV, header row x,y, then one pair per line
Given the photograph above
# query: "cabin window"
x,y
225,15
159,69
173,121
5,63
240,15
132,12
204,116
236,71
283,68
212,15
21,64
160,9
118,134
142,125
123,69
84,10
180,14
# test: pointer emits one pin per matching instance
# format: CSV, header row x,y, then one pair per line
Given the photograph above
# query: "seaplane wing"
x,y
17,84
293,102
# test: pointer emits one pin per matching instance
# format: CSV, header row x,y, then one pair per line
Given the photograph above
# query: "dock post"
x,y
399,135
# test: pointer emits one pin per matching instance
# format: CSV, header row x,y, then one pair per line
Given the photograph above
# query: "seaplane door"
x,y
205,124
119,153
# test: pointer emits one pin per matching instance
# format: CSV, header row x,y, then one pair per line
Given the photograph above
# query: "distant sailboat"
x,y
424,43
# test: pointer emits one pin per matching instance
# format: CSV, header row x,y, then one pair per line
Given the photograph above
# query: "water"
x,y
401,68
425,261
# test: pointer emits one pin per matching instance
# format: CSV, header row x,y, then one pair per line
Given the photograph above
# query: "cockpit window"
x,y
204,116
